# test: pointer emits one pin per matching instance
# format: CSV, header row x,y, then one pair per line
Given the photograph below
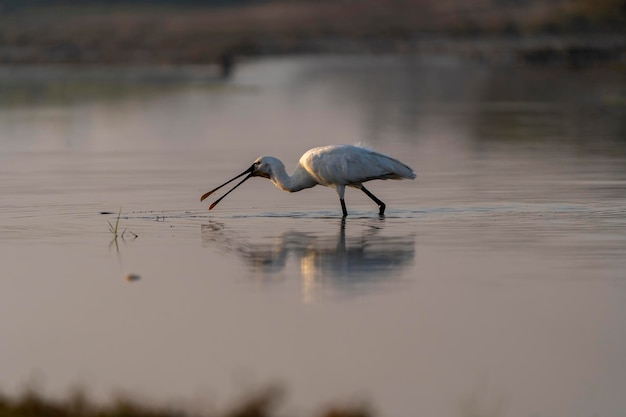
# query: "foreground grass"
x,y
263,403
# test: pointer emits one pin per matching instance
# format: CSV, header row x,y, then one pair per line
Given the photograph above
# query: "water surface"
x,y
493,286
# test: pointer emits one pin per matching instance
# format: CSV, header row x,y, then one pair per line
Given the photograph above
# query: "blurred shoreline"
x,y
574,51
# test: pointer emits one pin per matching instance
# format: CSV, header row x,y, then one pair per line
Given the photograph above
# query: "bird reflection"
x,y
341,263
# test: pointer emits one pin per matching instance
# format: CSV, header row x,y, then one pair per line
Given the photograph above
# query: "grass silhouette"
x,y
262,403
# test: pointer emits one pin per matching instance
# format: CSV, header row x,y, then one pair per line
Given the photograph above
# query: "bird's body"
x,y
336,166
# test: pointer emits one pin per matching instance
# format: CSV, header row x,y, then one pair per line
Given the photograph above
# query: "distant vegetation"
x,y
21,4
588,16
195,31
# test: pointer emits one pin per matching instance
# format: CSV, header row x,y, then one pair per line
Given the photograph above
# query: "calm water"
x,y
495,285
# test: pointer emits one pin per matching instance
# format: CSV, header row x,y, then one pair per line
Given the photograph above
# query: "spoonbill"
x,y
335,166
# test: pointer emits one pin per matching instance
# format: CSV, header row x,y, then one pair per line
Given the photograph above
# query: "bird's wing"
x,y
347,164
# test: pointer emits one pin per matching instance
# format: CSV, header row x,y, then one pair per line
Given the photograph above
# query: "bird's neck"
x,y
298,181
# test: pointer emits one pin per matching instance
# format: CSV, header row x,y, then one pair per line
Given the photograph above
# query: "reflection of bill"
x,y
341,263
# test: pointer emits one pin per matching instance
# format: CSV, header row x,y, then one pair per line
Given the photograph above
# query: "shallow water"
x,y
493,286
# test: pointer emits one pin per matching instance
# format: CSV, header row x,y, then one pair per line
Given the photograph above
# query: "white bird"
x,y
335,166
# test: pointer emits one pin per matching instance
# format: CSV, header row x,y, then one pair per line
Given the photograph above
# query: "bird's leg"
x,y
341,191
381,205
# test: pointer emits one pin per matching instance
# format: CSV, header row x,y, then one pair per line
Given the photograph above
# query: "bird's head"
x,y
265,166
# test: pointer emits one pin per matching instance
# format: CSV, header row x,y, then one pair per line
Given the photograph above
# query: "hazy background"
x,y
178,32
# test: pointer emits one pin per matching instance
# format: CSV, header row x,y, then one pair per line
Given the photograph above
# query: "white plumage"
x,y
336,166
348,164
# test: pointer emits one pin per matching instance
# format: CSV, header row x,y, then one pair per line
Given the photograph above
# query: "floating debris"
x,y
132,277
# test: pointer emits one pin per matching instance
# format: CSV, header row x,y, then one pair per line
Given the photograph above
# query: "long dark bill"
x,y
247,171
